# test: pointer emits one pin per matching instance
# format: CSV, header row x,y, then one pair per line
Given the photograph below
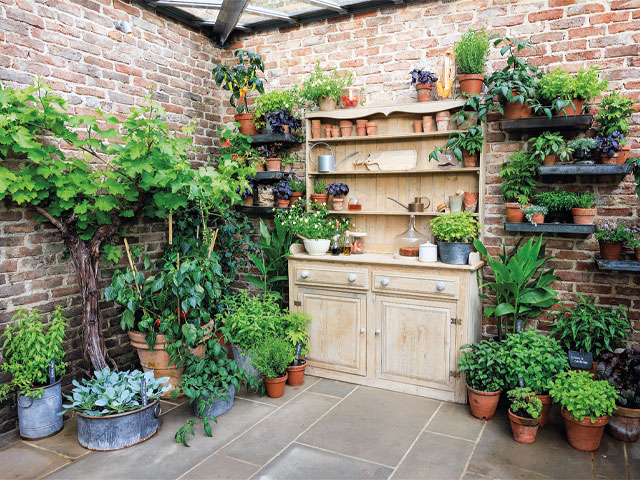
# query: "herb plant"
x,y
277,100
560,84
622,371
320,84
518,175
532,210
582,396
483,365
610,144
610,231
587,83
582,146
556,201
241,79
281,118
297,185
524,403
28,347
319,187
549,143
472,51
337,189
471,141
423,77
296,325
282,190
455,227
272,357
614,113
273,150
584,200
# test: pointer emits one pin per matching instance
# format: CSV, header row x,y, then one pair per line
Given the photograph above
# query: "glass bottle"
x,y
346,248
408,242
335,241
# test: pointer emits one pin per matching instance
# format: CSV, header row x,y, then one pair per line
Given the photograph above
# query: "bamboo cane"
x,y
133,268
213,242
170,229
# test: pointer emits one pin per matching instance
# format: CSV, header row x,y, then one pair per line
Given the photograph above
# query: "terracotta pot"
x,y
442,126
287,168
327,131
286,129
273,164
637,252
417,126
623,154
583,216
514,213
335,132
248,202
424,92
294,196
546,408
610,250
372,128
283,203
316,122
515,110
247,127
607,160
624,424
327,104
260,165
320,197
483,404
469,160
470,201
338,203
296,374
316,132
224,343
524,429
362,131
346,123
570,110
537,218
584,435
346,131
427,123
441,116
471,84
275,386
550,159
361,122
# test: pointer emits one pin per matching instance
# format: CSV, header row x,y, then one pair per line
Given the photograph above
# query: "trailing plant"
x,y
282,190
556,201
587,327
472,141
296,330
610,144
535,358
614,113
548,143
455,227
560,84
241,79
280,118
321,84
483,364
337,189
609,231
423,77
319,187
297,185
584,200
472,51
521,284
110,392
532,210
28,348
582,396
272,357
622,371
312,224
518,175
277,100
524,402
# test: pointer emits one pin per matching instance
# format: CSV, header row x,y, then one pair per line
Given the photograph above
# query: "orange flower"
x,y
225,144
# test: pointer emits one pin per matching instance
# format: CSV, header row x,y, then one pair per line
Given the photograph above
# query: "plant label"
x,y
52,372
581,360
143,391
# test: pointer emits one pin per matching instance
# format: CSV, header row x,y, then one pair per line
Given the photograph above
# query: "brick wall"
x,y
382,46
74,46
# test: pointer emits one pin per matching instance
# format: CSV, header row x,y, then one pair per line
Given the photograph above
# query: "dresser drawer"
x,y
416,284
332,276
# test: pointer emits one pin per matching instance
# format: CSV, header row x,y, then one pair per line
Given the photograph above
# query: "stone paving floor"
x,y
328,430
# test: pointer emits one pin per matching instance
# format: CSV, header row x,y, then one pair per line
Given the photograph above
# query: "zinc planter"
x,y
317,247
454,253
524,429
483,405
113,432
296,374
38,417
243,358
217,406
275,386
584,435
624,424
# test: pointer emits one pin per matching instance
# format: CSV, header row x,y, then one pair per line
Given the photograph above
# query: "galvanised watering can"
x,y
327,163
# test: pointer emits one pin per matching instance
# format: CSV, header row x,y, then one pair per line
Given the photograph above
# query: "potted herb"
x,y
455,233
518,175
609,146
288,159
33,357
271,358
273,153
337,192
558,204
465,146
117,409
622,371
611,236
283,121
484,369
283,192
296,326
298,189
319,194
586,406
535,213
584,150
288,101
524,414
240,80
575,90
472,54
324,89
583,210
614,114
247,194
549,147
535,358
424,81
314,226
236,144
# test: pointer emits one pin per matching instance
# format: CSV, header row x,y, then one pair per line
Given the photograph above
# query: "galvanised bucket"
x,y
218,406
241,356
113,432
38,417
454,253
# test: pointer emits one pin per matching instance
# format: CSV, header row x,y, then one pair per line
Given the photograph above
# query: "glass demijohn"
x,y
408,242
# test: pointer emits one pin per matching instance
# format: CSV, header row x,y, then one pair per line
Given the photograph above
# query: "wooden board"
x,y
391,160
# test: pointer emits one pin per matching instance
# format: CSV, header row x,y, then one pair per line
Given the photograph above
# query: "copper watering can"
x,y
415,206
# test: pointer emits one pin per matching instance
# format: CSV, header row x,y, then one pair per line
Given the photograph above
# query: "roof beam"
x,y
217,4
228,18
329,5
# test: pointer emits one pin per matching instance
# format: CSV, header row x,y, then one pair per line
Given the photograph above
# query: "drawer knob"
x,y
378,332
304,273
352,277
440,286
384,282
363,330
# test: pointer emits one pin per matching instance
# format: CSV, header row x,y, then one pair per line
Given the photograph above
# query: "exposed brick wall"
x,y
382,46
74,46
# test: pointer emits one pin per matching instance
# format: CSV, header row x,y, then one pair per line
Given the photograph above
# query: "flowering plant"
x,y
610,144
275,100
423,77
241,79
609,231
297,185
337,189
322,84
282,190
232,142
313,224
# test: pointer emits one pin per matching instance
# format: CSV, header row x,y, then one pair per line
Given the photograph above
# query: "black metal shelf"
x,y
537,124
618,265
270,176
571,228
265,138
597,169
258,210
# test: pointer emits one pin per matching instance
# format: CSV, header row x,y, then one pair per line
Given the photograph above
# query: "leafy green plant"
x,y
562,85
321,84
549,143
296,329
483,364
319,187
614,113
518,175
29,347
532,210
535,358
241,79
609,231
472,141
582,396
587,83
297,185
472,51
521,284
556,201
584,200
313,224
232,142
110,392
275,100
272,357
524,402
455,227
622,371
583,145
587,327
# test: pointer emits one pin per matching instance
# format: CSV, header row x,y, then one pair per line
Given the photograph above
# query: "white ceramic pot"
x,y
428,252
317,247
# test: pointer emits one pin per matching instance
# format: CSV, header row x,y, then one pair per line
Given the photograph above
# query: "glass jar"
x,y
355,202
357,240
407,244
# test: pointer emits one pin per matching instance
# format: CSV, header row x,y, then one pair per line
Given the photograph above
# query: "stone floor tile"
x,y
372,424
455,419
633,458
289,393
267,438
65,442
435,456
334,388
609,459
168,406
22,461
302,462
220,467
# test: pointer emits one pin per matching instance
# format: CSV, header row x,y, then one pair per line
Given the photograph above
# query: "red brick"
x,y
546,15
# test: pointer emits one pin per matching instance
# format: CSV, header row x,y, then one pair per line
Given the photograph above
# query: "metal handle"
x,y
384,282
314,146
157,410
363,330
440,286
427,203
304,273
348,156
378,332
352,277
24,405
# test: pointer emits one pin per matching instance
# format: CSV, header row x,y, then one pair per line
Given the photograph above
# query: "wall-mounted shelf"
x,y
597,169
385,137
264,176
399,172
536,124
409,108
264,138
550,228
398,213
258,210
618,265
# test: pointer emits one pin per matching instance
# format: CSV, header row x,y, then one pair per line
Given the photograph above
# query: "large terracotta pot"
x,y
275,386
550,159
513,110
471,84
320,197
469,160
624,424
607,160
546,408
296,374
294,196
483,404
283,203
570,110
514,213
584,435
524,429
610,250
424,92
583,216
247,127
273,164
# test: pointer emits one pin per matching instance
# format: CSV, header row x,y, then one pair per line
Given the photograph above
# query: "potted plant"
x,y
247,195
296,326
283,121
33,357
558,204
518,175
548,147
324,89
634,242
117,409
575,90
283,192
536,359
535,213
483,367
319,194
611,236
337,191
288,159
583,210
424,81
586,406
614,114
271,358
298,189
524,414
314,226
240,80
472,54
622,371
236,144
273,153
609,146
465,146
286,101
584,150
455,233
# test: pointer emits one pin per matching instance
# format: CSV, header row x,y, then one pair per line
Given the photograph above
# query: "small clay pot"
x,y
285,129
327,104
443,126
316,122
637,252
361,122
247,127
537,218
607,160
623,154
516,109
296,374
346,123
346,131
362,131
273,164
417,126
550,159
294,196
469,160
570,110
470,201
424,92
524,429
546,408
372,128
327,129
275,386
320,197
427,123
260,165
338,203
471,84
316,132
514,213
583,216
335,132
283,203
248,202
584,435
483,405
610,250
442,116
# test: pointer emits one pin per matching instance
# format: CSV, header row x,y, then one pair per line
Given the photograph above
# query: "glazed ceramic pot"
x,y
317,247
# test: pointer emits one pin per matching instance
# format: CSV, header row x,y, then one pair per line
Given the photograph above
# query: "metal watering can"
x,y
327,163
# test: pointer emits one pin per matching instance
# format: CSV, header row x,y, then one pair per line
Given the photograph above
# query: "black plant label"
x,y
581,360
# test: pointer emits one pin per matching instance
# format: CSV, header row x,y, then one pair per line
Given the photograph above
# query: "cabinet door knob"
x,y
440,286
304,273
352,277
378,332
384,282
363,330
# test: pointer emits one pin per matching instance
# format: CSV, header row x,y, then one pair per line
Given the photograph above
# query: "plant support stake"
x,y
143,391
